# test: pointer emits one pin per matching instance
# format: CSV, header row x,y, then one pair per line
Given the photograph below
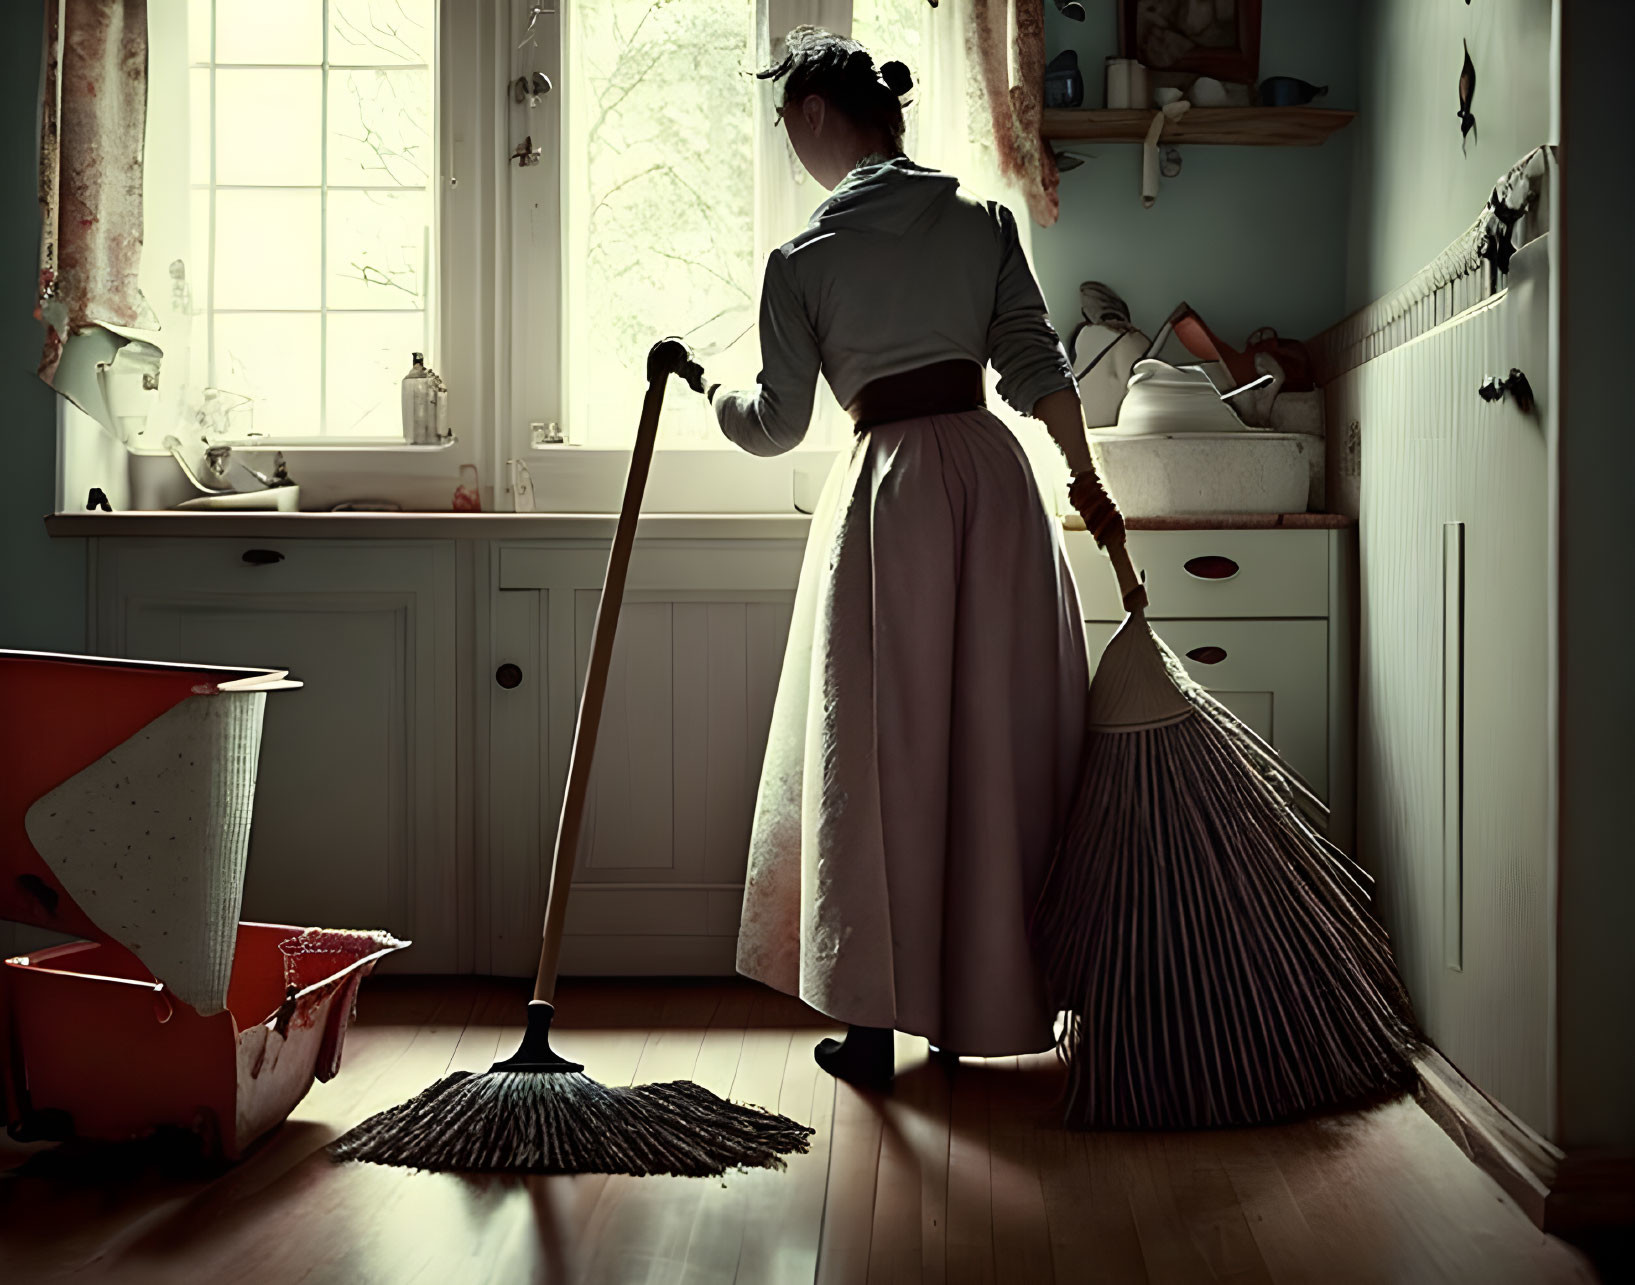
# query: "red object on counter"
x,y
467,497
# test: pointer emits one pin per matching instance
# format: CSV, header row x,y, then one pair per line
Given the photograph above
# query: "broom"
x,y
536,1112
1213,955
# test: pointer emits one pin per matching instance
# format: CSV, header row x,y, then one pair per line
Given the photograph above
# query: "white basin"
x,y
274,499
1193,473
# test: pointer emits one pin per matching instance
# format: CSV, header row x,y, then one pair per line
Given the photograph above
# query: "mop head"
x,y
561,1121
1213,954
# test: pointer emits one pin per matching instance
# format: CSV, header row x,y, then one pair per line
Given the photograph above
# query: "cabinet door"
x,y
1273,674
354,813
659,874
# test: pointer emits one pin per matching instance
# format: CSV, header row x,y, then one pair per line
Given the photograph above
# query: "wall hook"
x,y
1467,96
530,33
1514,385
526,153
531,88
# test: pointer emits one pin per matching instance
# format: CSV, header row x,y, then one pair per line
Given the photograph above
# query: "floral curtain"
x,y
93,115
997,30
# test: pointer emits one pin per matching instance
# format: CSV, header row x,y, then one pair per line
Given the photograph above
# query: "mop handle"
x,y
1130,588
667,358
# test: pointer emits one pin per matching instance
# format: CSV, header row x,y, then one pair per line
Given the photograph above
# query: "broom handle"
x,y
666,358
1130,588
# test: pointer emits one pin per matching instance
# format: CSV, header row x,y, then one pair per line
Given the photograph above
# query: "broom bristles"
x,y
1214,955
556,1122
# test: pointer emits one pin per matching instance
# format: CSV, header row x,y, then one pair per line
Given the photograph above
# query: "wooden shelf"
x,y
1224,126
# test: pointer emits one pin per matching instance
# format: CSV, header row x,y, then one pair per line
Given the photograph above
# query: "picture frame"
x,y
1154,33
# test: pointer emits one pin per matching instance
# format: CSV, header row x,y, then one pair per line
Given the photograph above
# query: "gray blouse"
x,y
899,268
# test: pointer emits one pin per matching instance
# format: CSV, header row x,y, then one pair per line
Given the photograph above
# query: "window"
x,y
311,269
333,185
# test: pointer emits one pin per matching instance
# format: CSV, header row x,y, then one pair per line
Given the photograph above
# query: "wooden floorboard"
x,y
958,1175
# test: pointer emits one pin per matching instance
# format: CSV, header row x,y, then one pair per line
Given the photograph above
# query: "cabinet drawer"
x,y
1200,574
189,565
1273,675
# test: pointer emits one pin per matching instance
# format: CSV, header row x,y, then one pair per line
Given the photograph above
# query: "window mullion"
x,y
210,221
323,232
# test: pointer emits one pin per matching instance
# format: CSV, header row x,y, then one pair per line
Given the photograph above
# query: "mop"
x,y
1214,957
536,1111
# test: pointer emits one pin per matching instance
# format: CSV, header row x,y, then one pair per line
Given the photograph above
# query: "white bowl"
x,y
273,499
1164,399
1197,473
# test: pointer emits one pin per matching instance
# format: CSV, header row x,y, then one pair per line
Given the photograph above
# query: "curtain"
x,y
1015,92
93,115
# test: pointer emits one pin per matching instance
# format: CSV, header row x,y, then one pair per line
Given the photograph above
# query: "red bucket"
x,y
124,818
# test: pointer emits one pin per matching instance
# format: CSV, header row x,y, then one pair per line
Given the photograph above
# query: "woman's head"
x,y
837,106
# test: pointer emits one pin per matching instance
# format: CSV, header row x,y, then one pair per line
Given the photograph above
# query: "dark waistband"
x,y
942,388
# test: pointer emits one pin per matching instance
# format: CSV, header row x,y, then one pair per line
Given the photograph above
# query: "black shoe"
x,y
865,1057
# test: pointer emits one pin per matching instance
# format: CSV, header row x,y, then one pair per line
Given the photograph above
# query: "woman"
x,y
927,732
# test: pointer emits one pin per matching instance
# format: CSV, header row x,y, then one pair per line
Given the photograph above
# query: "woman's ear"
x,y
815,111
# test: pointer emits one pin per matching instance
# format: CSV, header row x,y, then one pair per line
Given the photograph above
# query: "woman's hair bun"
x,y
897,78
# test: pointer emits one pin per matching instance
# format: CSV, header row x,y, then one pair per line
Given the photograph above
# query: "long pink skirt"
x,y
925,744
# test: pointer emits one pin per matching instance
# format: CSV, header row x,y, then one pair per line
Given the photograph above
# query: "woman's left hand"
x,y
1101,516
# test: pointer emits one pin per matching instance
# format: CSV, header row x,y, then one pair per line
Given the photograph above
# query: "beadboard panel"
x,y
659,875
1468,897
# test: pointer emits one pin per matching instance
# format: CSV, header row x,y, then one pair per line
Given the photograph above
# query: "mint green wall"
x,y
1416,184
1250,236
42,581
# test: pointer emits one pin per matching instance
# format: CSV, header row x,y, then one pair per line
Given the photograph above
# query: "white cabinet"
x,y
660,871
355,814
415,782
1260,618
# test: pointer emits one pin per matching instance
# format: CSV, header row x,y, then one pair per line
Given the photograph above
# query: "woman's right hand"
x,y
1092,503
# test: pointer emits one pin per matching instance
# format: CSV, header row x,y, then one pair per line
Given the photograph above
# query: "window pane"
x,y
269,128
374,33
379,249
369,353
198,30
198,111
257,31
267,249
270,359
380,128
660,201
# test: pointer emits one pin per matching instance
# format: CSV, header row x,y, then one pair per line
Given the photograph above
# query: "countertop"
x,y
1230,522
429,526
563,526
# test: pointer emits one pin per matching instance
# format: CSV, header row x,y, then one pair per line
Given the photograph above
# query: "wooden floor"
x,y
951,1179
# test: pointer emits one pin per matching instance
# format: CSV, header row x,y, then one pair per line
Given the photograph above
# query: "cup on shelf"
x,y
1126,85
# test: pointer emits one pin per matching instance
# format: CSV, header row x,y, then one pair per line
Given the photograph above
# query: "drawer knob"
x,y
1207,655
262,557
1211,566
508,676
